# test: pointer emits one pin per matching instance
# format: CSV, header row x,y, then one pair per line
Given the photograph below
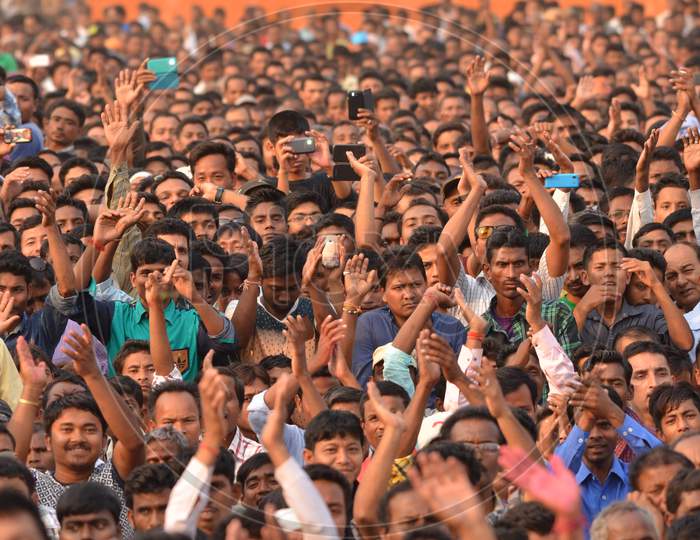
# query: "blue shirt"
x,y
597,496
378,327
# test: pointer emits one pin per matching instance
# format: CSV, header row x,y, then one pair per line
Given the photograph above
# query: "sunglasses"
x,y
485,231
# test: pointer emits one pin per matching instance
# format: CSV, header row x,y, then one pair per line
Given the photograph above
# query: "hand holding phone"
x,y
165,69
562,181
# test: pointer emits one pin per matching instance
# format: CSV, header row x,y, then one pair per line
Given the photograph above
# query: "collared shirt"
x,y
113,323
378,327
597,496
557,314
599,336
693,318
243,448
478,291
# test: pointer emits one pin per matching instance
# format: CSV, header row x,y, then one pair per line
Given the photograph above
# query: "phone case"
x,y
343,171
166,73
562,181
303,145
339,156
356,101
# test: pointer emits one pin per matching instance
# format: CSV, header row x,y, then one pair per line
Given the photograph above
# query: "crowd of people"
x,y
434,276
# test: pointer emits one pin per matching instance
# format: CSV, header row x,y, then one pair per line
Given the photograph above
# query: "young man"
x,y
267,214
256,478
683,283
214,166
675,410
171,188
65,120
146,493
89,508
603,312
304,210
574,289
175,232
20,517
176,404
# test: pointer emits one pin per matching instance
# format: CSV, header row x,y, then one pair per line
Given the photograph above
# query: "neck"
x,y
644,416
508,307
609,310
66,475
600,469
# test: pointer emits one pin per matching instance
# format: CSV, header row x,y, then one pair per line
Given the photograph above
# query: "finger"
x,y
208,360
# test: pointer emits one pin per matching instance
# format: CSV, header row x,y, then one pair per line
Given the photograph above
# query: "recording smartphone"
x,y
340,155
359,99
343,171
17,135
562,181
303,145
39,61
166,73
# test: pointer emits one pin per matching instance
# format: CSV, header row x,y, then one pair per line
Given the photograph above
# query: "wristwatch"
x,y
219,194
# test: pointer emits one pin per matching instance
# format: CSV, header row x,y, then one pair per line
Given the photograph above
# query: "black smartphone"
x,y
356,101
303,145
343,171
368,99
339,152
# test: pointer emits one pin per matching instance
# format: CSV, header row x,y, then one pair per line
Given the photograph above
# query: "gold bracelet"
x,y
248,283
352,310
28,402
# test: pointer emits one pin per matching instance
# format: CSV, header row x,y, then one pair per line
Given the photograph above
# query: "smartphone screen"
x,y
166,73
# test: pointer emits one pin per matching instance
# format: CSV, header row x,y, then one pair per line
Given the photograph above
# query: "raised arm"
x,y
375,480
296,334
557,252
682,82
157,297
477,84
359,282
691,160
245,315
65,279
213,321
129,451
436,297
366,231
369,122
641,211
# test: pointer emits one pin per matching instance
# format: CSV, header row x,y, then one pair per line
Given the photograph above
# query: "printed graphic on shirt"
x,y
181,357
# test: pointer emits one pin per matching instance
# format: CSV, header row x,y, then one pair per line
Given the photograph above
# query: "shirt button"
x,y
580,441
604,497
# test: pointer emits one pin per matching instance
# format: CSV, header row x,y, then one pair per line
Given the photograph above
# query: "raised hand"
x,y
433,349
368,121
78,347
322,155
311,269
614,117
358,281
557,490
118,129
485,375
393,190
594,399
112,224
157,295
523,145
691,150
477,323
331,335
643,89
8,320
477,78
642,169
295,333
584,90
429,365
363,166
34,375
470,179
532,293
683,84
272,436
214,394
46,204
643,269
182,281
440,295
386,417
254,260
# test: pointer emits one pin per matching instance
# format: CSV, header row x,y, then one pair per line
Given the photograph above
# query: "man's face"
x,y
203,224
280,293
148,510
657,239
505,268
683,232
372,426
235,88
346,134
631,526
304,216
68,218
344,454
619,211
74,173
604,269
336,110
20,215
690,448
166,452
63,127
164,129
417,216
493,220
332,494
668,201
522,399
452,109
40,456
7,241
612,375
653,482
76,440
190,133
601,442
98,526
629,120
180,245
690,502
404,291
171,191
249,391
152,213
476,432
313,94
407,511
592,197
683,275
139,367
638,293
19,291
267,219
448,142
259,483
238,117
437,172
680,420
90,196
384,109
660,167
179,410
574,283
212,168
427,101
428,255
25,99
31,239
216,278
649,370
217,126
221,500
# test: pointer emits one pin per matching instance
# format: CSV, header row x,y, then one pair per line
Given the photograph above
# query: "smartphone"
x,y
343,171
39,61
356,101
166,73
562,181
339,152
303,145
17,135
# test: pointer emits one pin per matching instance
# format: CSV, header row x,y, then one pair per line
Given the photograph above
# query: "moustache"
x,y
79,446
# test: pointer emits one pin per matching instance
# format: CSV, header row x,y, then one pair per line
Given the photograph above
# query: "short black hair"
x,y
60,377
336,220
641,347
148,478
286,123
210,148
76,108
81,401
425,235
23,79
20,202
670,180
13,503
126,386
668,397
676,217
172,387
129,347
318,471
195,205
253,463
469,412
280,258
297,198
87,498
399,260
502,239
386,388
265,195
685,480
151,251
276,361
503,210
511,378
618,164
604,356
652,256
170,225
75,162
465,455
602,245
329,424
33,162
62,201
225,465
342,394
531,516
10,467
684,528
656,457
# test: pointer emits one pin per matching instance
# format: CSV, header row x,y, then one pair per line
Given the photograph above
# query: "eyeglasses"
x,y
485,231
311,218
484,447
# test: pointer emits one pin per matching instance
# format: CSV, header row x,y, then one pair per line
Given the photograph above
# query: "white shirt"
x,y
693,318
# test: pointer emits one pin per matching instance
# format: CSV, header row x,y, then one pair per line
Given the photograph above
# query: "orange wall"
x,y
351,10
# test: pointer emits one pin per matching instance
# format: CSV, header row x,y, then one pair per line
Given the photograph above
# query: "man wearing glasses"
x,y
304,210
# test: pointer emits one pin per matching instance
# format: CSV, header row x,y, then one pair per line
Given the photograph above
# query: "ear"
x,y
132,279
130,517
486,267
308,456
629,278
267,144
237,491
584,278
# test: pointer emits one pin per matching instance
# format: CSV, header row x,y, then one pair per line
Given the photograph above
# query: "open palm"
x,y
691,150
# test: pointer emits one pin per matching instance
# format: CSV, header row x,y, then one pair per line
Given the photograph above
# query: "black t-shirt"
x,y
318,183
